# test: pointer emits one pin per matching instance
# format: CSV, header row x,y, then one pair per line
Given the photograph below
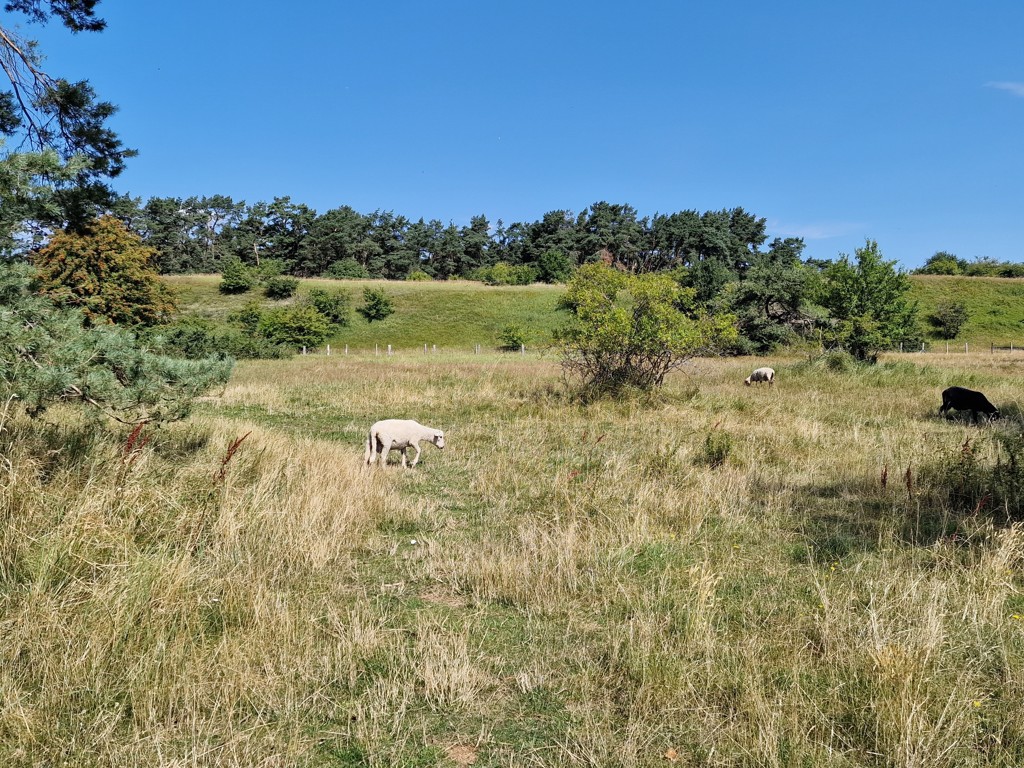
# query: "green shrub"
x,y
554,267
269,268
512,337
237,277
716,448
418,275
503,273
628,331
281,287
377,305
335,305
949,319
298,326
195,339
248,316
347,269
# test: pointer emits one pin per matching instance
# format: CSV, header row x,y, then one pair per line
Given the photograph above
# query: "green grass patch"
x,y
995,306
450,315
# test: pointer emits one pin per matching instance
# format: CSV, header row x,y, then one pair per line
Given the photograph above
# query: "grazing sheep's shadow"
x,y
965,417
948,501
1011,413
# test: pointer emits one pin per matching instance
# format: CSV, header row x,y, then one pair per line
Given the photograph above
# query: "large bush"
x,y
628,331
298,326
347,269
105,271
868,303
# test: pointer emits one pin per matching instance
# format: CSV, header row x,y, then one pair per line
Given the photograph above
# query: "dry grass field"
x,y
822,573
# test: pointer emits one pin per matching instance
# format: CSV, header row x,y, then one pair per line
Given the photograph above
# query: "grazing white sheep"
x,y
761,374
400,434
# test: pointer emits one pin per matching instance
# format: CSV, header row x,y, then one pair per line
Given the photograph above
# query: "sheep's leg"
x,y
404,465
382,449
417,458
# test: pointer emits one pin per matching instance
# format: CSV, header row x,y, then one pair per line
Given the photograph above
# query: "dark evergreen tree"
x,y
42,112
48,355
334,236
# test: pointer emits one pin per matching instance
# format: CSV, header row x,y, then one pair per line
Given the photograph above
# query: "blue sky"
x,y
897,121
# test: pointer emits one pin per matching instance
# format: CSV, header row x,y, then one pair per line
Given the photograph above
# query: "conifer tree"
x,y
107,272
49,355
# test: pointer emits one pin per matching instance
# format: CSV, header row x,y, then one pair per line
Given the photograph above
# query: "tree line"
x,y
200,234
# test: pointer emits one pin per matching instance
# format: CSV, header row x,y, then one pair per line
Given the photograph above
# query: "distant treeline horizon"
x,y
200,234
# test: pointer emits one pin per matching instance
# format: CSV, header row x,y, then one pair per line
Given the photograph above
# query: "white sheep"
x,y
761,374
400,434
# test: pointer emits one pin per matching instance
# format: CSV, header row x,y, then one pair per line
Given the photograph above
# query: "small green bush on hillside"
x,y
247,317
335,305
347,269
281,287
377,305
512,337
949,319
237,277
506,274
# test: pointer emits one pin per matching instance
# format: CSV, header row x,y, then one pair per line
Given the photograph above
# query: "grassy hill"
x,y
460,314
995,305
450,314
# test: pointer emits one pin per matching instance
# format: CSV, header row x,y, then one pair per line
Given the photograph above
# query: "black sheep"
x,y
961,399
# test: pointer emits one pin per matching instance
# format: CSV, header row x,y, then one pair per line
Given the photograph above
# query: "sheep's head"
x,y
439,439
747,381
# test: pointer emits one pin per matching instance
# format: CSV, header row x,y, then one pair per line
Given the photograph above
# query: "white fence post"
x,y
346,349
328,350
389,350
303,349
435,348
376,349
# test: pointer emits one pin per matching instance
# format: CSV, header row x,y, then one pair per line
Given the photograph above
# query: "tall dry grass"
x,y
720,577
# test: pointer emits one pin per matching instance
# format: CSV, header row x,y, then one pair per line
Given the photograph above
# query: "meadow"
x,y
815,574
457,315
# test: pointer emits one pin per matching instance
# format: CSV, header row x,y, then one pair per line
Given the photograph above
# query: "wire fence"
x,y
950,347
387,350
